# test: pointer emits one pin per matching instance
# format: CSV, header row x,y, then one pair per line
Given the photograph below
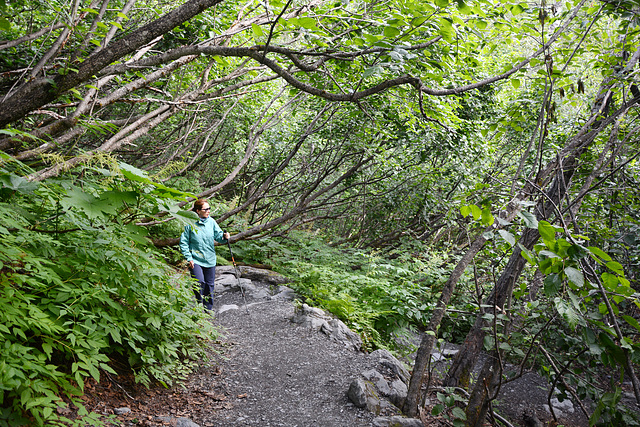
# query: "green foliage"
x,y
378,298
82,291
588,306
449,407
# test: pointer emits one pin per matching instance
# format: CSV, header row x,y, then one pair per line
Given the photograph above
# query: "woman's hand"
x,y
226,235
191,264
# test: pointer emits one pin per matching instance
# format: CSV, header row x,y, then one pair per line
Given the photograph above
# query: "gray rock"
x,y
262,275
398,393
285,294
308,312
121,411
363,394
252,273
316,319
261,294
560,408
436,356
177,422
339,332
226,280
246,284
448,352
376,378
225,269
220,289
316,324
385,359
185,422
310,317
228,307
397,421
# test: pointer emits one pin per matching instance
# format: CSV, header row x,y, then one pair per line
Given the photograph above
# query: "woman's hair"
x,y
198,204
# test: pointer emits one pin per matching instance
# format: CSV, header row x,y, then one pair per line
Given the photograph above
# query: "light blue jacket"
x,y
197,244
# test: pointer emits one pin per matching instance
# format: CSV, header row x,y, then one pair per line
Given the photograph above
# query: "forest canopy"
x,y
498,138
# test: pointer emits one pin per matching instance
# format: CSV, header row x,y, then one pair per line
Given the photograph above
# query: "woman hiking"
x,y
197,246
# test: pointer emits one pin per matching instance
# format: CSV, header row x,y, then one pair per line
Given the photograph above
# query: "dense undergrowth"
x,y
82,290
381,296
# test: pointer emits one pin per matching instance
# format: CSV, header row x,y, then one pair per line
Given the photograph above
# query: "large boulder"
x,y
387,361
383,388
316,319
363,394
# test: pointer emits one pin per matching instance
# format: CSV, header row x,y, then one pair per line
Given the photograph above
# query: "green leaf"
x,y
612,348
465,211
515,83
616,267
610,281
463,8
489,342
517,9
437,409
5,25
78,200
476,212
547,231
136,233
391,32
446,29
508,237
631,321
17,183
530,220
459,413
527,254
417,21
566,311
134,174
442,3
552,284
370,71
592,341
487,216
257,31
575,276
308,23
549,254
480,24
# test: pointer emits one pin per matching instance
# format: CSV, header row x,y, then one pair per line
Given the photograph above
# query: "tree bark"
x,y
480,397
41,91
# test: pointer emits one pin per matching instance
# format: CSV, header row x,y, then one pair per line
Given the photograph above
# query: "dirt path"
x,y
272,372
277,373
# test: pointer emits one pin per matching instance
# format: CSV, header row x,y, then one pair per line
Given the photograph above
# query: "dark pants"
x,y
206,277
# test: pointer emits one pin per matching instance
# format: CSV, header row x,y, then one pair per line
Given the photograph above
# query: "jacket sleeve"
x,y
184,243
217,233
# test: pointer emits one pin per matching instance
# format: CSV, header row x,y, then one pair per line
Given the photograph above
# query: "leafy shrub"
x,y
80,288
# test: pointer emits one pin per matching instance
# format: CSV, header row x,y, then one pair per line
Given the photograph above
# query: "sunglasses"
x,y
206,209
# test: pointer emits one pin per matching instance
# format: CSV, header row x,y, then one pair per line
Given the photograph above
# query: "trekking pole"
x,y
238,277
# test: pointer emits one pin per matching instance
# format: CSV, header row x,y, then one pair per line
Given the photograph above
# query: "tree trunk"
x,y
465,359
480,397
429,336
